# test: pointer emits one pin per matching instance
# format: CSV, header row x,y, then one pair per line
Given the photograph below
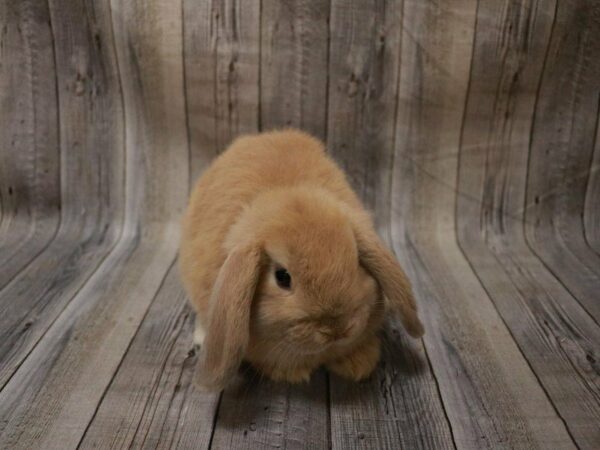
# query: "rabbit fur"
x,y
276,201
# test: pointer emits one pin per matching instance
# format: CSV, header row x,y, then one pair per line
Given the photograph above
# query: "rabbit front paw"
x,y
292,375
360,363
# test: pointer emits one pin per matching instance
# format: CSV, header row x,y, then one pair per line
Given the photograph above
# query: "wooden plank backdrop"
x,y
468,127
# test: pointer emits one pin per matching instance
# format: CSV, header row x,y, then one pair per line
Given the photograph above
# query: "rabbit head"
x,y
304,277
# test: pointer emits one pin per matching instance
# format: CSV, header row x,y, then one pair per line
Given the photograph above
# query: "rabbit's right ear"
x,y
228,328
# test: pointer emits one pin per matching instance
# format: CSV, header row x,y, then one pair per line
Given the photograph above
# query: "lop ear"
x,y
228,328
382,265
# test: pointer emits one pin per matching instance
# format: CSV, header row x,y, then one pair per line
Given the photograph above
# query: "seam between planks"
x,y
410,244
185,99
596,148
259,106
327,79
554,275
390,196
155,387
328,406
395,126
215,419
182,368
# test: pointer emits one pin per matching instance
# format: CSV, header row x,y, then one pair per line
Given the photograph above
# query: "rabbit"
x,y
283,266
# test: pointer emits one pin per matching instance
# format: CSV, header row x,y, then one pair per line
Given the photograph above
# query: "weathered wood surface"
x,y
222,69
469,128
558,177
89,122
29,169
492,397
151,401
518,213
293,67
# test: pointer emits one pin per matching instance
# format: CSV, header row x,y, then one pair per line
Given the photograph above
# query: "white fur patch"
x,y
199,334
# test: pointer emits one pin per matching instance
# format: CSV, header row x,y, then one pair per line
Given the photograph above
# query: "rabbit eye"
x,y
284,279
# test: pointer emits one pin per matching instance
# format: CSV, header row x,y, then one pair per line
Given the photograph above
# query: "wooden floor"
x,y
469,128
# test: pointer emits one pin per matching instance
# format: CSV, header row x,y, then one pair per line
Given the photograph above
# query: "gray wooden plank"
x,y
151,401
29,156
399,407
552,330
222,64
293,66
261,414
491,396
558,175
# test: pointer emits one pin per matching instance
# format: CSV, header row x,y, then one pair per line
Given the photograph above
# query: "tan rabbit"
x,y
283,266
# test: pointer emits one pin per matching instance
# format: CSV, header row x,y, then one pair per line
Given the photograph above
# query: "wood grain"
x,y
91,201
29,160
262,414
552,330
399,407
491,396
151,401
470,130
222,65
293,66
293,84
364,55
591,215
54,394
363,76
557,178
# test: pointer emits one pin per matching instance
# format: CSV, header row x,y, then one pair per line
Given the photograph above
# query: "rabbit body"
x,y
283,267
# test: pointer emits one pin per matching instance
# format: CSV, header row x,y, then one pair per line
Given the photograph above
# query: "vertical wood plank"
x,y
222,63
294,57
490,395
363,77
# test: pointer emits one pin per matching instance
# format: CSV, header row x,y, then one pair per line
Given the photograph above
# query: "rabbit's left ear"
x,y
228,328
382,265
